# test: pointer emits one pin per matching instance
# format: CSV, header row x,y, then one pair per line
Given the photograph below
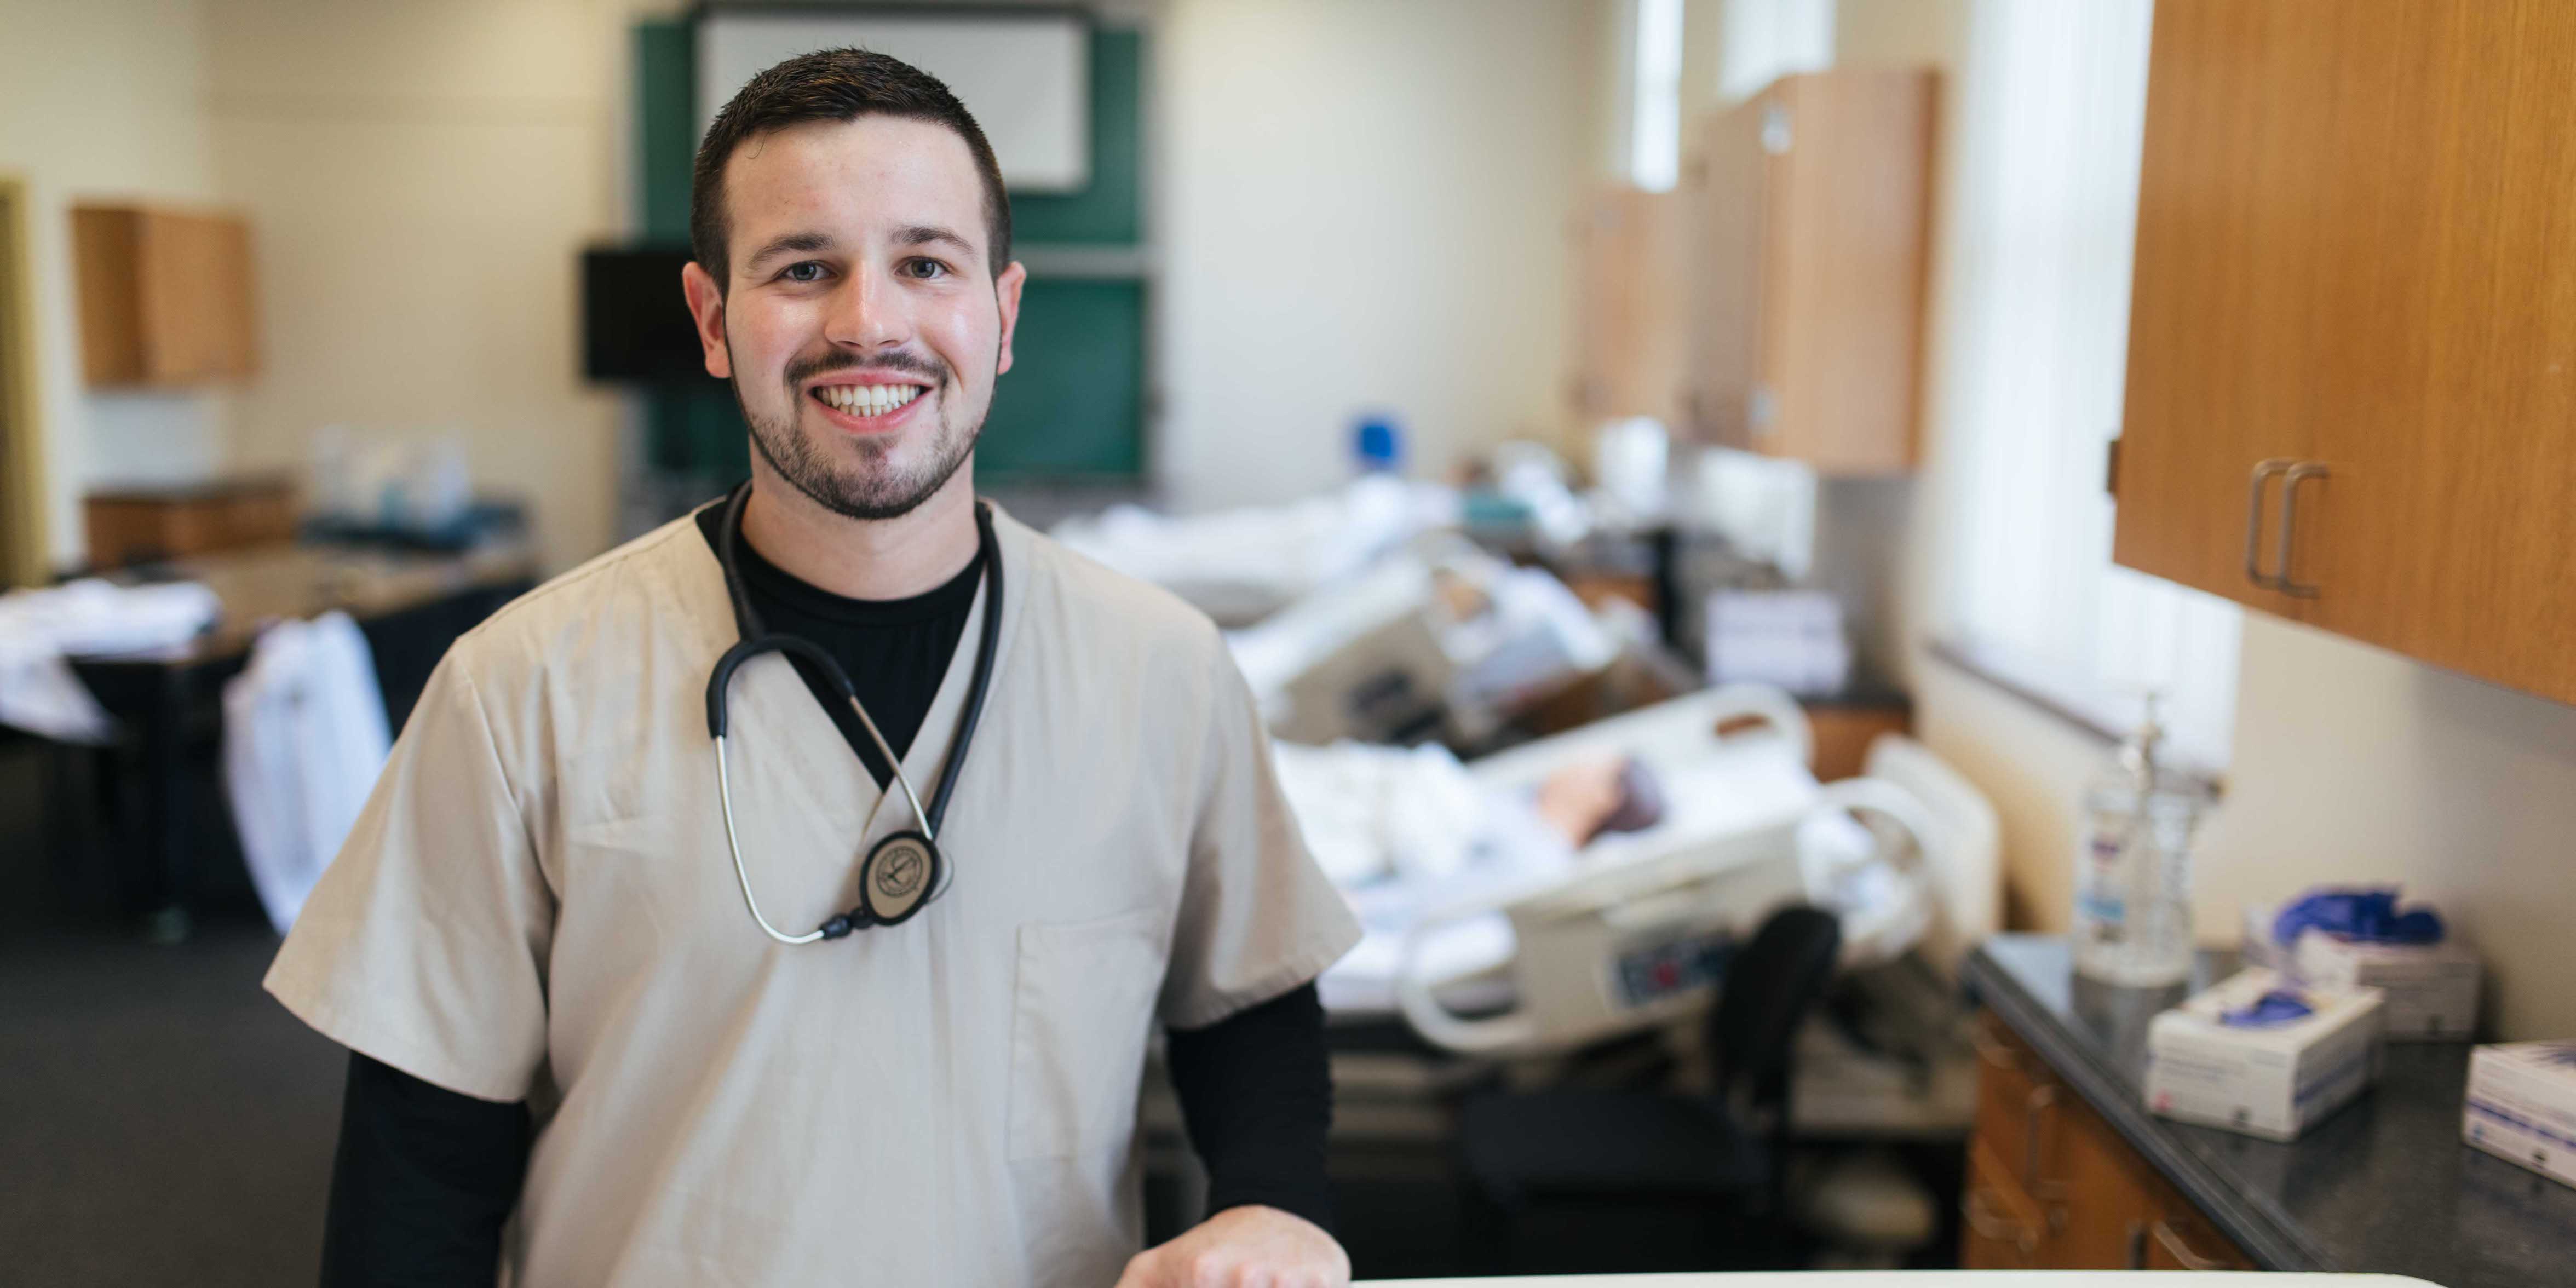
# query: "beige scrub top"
x,y
537,904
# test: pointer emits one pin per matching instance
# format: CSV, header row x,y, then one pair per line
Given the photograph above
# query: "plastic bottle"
x,y
1377,443
2132,921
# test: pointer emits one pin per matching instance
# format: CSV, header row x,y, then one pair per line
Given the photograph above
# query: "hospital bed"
x,y
1632,931
1732,766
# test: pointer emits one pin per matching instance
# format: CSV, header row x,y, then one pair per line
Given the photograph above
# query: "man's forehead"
x,y
877,169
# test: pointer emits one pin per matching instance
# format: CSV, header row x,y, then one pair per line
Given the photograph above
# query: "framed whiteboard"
x,y
1026,77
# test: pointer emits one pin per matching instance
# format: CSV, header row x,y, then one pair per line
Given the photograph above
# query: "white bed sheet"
x,y
1718,790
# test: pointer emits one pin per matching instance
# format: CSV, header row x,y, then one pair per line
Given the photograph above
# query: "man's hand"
x,y
1243,1247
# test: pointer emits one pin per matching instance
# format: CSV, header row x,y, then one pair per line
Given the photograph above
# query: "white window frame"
x,y
2042,222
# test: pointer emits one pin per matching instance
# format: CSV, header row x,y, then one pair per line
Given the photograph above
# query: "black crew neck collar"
x,y
771,582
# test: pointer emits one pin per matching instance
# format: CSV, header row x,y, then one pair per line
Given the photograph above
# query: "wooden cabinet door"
x,y
165,296
1728,217
2112,1197
2231,320
2353,252
1628,302
2445,527
1807,217
1847,257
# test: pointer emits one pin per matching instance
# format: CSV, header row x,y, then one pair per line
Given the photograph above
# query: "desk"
x,y
170,704
1920,1279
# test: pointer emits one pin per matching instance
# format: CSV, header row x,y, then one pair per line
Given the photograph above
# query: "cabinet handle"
x,y
2299,473
2172,1242
1987,1225
1776,132
1989,1050
2254,522
2041,1100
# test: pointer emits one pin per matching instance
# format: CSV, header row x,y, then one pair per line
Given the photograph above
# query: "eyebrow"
x,y
925,234
791,243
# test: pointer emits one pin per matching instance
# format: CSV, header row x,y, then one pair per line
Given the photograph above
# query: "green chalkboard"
x,y
1074,398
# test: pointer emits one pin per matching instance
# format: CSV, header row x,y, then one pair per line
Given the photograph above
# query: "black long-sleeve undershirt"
x,y
425,1178
422,1183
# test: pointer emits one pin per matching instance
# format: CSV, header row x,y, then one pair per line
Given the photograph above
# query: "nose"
x,y
867,312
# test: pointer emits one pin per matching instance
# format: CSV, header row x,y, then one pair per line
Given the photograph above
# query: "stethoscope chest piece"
x,y
898,876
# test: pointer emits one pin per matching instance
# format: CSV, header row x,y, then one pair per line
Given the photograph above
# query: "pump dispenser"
x,y
2132,922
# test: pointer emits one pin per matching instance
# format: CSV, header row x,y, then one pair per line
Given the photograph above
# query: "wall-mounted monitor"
x,y
634,322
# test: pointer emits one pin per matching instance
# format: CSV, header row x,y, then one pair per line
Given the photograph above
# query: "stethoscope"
x,y
905,870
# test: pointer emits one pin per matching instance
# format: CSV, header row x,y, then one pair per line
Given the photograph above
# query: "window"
x,y
2051,103
1655,110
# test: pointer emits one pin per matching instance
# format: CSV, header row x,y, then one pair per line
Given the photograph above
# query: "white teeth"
x,y
868,400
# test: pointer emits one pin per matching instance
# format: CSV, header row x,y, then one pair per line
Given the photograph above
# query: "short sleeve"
x,y
1258,917
424,944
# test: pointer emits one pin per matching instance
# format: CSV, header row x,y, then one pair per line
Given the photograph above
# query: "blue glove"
x,y
2364,914
2276,1007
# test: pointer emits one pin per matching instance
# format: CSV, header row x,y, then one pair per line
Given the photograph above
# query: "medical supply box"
x,y
2522,1105
2238,1056
2429,991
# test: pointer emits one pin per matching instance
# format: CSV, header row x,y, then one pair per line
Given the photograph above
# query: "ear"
x,y
1006,293
706,304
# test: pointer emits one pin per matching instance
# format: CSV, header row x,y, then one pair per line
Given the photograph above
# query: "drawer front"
x,y
1999,1227
2178,1242
2019,1106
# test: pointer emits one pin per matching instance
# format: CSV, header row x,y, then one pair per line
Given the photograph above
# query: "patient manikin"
x,y
1408,833
1406,830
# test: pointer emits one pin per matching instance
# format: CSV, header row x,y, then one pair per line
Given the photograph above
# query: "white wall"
x,y
102,99
422,177
2349,765
1363,204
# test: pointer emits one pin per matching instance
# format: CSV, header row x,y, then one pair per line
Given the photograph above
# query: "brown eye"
x,y
925,269
808,271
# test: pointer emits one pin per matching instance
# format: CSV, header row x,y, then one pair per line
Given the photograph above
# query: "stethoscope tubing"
x,y
756,640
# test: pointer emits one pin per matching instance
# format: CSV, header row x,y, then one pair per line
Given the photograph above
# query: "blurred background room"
x,y
1737,512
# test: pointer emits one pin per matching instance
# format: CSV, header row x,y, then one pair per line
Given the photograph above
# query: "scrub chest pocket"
x,y
1085,1009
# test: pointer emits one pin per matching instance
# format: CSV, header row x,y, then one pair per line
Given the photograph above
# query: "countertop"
x,y
2384,1185
260,584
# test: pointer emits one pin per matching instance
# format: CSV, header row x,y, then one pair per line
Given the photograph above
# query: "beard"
x,y
874,487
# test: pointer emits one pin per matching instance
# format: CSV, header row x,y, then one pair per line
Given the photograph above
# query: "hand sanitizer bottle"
x,y
2133,868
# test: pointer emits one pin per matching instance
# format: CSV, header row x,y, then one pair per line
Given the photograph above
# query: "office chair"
x,y
1582,1179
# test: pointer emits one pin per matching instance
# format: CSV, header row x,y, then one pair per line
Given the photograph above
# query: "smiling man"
x,y
789,895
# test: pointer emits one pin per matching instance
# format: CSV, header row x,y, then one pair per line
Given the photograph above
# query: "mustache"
x,y
804,369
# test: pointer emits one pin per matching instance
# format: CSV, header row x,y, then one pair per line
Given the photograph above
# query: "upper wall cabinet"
x,y
1804,216
1628,292
2352,341
165,296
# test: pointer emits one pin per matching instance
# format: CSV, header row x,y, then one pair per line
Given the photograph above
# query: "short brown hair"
x,y
833,85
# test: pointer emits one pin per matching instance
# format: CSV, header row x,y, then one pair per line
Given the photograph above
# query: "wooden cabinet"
x,y
1628,306
1804,210
2352,350
141,525
165,296
1841,731
2051,1186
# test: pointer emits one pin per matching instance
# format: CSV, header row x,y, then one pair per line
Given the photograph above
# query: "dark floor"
x,y
163,1121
